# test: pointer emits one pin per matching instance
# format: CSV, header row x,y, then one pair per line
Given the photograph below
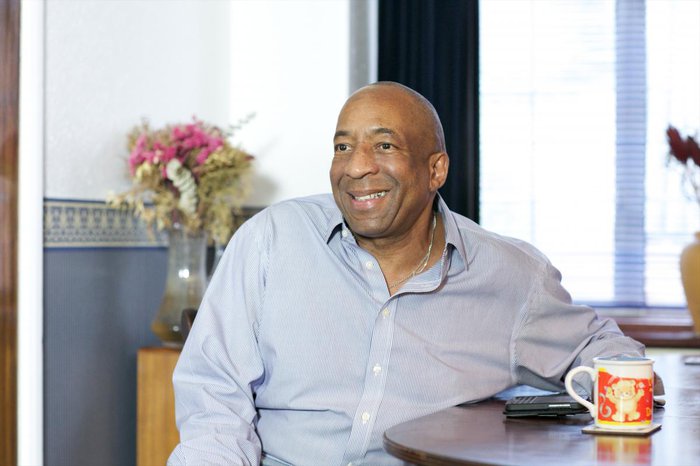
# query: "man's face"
x,y
382,173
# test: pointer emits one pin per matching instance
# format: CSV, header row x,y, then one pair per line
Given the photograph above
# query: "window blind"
x,y
575,99
630,144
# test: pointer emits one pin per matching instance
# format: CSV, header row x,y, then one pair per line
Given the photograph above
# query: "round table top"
x,y
480,434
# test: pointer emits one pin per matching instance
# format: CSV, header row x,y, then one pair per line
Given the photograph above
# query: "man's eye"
x,y
341,147
385,146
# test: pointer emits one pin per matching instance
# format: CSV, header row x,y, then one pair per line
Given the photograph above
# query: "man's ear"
x,y
439,166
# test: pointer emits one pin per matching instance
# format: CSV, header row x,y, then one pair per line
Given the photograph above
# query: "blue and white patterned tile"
x,y
93,224
89,224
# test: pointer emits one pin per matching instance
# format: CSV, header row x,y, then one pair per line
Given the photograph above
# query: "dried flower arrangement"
x,y
186,175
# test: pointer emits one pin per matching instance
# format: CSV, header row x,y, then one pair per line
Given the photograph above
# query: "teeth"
x,y
371,196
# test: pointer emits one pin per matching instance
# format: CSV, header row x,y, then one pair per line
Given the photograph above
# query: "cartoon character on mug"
x,y
621,399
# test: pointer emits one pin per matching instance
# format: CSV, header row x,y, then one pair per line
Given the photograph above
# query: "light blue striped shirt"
x,y
298,350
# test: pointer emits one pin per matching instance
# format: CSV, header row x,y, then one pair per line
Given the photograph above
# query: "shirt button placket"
x,y
365,417
373,391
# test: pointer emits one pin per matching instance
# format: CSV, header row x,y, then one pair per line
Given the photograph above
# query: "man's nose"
x,y
362,162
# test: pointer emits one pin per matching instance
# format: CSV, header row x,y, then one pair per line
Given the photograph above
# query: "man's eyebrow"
x,y
382,130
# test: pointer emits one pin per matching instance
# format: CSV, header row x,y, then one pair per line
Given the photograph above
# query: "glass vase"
x,y
185,283
218,253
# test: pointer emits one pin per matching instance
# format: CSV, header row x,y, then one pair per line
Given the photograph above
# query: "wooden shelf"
x,y
156,433
658,328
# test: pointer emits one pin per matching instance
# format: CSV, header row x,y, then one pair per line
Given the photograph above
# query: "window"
x,y
576,96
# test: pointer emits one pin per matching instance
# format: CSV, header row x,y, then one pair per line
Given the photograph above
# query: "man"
x,y
330,320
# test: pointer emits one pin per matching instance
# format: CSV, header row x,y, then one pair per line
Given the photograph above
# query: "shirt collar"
x,y
335,224
452,236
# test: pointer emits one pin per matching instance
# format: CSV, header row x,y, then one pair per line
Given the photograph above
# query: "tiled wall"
x,y
86,224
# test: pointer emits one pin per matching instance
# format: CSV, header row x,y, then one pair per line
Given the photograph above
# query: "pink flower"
x,y
192,144
148,156
203,155
177,133
141,142
135,159
168,154
189,143
215,143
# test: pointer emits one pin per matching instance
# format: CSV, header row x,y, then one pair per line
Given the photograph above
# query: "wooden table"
x,y
156,433
481,434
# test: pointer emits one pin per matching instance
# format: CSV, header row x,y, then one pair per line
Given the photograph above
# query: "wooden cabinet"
x,y
156,434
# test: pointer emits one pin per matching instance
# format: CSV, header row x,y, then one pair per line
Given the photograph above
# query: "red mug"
x,y
623,391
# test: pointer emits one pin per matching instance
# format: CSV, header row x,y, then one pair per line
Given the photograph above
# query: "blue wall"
x,y
97,312
104,276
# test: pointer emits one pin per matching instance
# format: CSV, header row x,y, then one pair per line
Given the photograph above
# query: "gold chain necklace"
x,y
424,261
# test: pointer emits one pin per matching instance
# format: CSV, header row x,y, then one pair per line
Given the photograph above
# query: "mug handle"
x,y
570,389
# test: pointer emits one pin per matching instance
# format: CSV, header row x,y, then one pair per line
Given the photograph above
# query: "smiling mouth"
x,y
369,197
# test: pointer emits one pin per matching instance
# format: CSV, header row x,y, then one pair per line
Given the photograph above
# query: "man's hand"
x,y
658,385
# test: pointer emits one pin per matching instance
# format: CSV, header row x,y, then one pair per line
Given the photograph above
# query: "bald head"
x,y
422,111
389,162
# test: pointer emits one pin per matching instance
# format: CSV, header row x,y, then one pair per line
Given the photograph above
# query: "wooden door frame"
x,y
9,159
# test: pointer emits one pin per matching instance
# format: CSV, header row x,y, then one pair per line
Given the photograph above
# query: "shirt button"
x,y
345,234
385,312
377,369
369,265
365,417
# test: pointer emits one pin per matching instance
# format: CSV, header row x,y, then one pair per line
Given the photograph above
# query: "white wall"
x,y
110,63
289,66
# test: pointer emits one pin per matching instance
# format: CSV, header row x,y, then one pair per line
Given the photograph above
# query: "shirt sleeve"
x,y
220,364
554,335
